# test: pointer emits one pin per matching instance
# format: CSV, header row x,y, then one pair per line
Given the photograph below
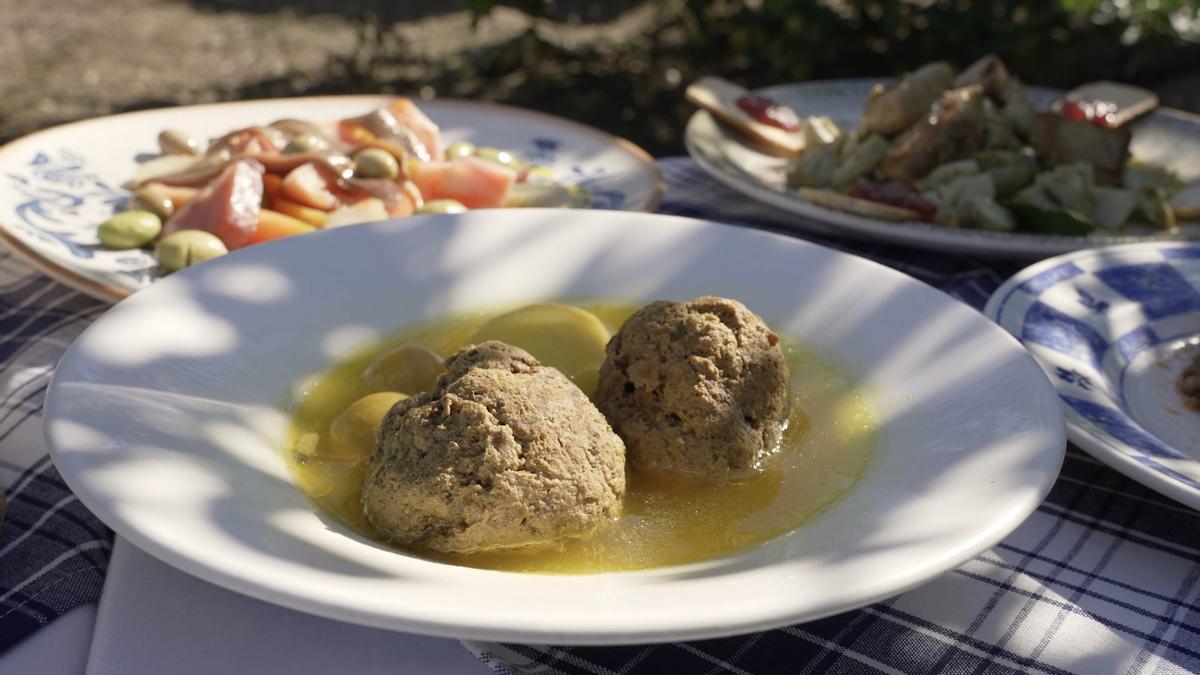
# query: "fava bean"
x,y
408,369
186,248
459,149
176,142
442,206
352,434
305,143
375,163
153,197
129,229
501,157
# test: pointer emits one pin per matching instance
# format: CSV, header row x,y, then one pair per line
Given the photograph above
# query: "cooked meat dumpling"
x,y
502,453
696,389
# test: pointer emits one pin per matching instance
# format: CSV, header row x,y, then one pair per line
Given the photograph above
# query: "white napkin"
x,y
155,619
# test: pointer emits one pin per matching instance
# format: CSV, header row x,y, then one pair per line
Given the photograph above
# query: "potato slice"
x,y
352,434
563,337
408,369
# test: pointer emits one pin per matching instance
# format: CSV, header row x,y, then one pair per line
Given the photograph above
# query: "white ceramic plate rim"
x,y
1040,454
1104,448
95,284
925,235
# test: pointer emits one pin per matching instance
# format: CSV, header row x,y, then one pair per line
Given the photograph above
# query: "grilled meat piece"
x,y
953,129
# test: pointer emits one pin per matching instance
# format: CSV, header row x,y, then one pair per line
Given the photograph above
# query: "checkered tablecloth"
x,y
53,551
1101,578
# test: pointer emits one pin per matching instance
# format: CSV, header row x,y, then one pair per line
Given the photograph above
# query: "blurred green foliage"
x,y
1058,43
635,88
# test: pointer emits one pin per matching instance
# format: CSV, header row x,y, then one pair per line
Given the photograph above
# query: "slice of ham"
x,y
410,116
382,126
228,207
473,182
195,174
249,141
400,198
330,163
307,185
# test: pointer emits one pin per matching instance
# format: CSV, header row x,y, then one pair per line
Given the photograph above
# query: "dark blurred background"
x,y
620,66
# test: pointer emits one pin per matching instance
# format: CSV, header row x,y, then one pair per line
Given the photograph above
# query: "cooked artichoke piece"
x,y
948,172
860,160
1111,207
1010,170
1017,108
997,134
1155,209
953,193
988,72
894,108
965,187
1068,187
820,130
814,168
983,213
1139,175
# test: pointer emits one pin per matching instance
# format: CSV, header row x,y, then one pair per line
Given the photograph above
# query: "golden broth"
x,y
825,449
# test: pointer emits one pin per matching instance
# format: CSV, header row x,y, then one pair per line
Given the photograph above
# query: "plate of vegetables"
x,y
110,205
967,161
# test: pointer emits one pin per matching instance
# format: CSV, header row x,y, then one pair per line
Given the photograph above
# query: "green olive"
x,y
501,157
442,206
186,248
176,142
153,197
352,433
375,163
408,368
459,149
564,337
129,229
540,172
305,143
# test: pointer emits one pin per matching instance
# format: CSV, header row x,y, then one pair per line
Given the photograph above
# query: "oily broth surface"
x,y
826,447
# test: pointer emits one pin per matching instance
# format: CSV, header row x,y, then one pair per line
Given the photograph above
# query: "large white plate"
x,y
58,185
166,418
1166,137
1113,328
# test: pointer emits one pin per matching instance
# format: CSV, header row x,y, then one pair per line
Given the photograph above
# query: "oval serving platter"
x,y
58,185
1167,137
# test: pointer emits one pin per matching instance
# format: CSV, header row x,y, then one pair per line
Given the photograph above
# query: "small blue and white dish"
x,y
1113,328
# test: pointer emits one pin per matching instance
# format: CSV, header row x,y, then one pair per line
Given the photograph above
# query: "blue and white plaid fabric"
x,y
1103,577
53,551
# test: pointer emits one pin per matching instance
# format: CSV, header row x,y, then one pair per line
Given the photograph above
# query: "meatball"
x,y
501,453
696,389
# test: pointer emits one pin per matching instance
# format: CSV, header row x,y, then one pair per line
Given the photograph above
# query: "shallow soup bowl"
x,y
168,417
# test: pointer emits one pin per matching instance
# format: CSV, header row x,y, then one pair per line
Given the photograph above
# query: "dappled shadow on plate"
x,y
198,410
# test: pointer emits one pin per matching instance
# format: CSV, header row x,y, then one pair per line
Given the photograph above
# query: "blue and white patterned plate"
x,y
1166,137
58,185
1113,328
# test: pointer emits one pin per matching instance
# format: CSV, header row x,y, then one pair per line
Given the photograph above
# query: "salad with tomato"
x,y
197,200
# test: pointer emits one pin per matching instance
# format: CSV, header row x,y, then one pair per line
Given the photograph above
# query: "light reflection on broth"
x,y
826,447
